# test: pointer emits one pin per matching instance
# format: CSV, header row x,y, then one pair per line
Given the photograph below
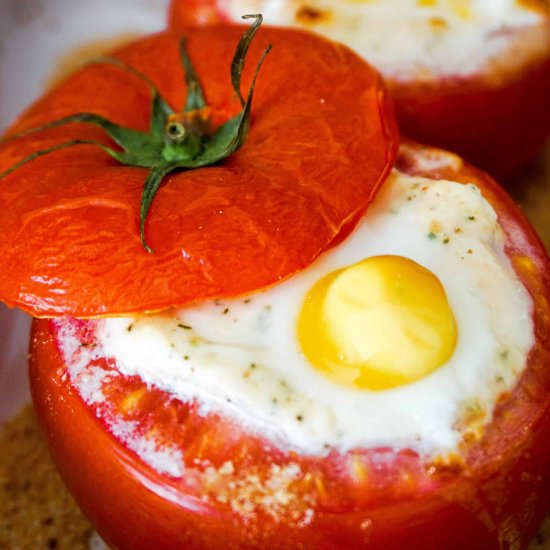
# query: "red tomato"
x,y
316,152
497,118
237,490
499,127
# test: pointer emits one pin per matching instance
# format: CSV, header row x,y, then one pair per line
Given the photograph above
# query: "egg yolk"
x,y
378,324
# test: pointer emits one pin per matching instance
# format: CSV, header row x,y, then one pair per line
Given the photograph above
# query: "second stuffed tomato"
x,y
471,77
394,394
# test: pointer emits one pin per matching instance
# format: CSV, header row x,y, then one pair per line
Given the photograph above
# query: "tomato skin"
x,y
497,119
497,501
70,219
498,127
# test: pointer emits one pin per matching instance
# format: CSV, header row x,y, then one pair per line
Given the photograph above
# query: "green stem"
x,y
237,65
152,184
167,146
195,96
58,147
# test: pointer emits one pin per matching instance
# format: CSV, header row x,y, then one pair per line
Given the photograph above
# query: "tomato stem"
x,y
237,65
174,141
195,96
58,147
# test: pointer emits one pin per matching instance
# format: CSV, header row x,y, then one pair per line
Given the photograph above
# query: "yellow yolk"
x,y
380,323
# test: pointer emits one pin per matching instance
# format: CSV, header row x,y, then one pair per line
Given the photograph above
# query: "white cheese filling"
x,y
418,39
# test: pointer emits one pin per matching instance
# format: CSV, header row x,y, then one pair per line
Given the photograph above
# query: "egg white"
x,y
241,357
414,38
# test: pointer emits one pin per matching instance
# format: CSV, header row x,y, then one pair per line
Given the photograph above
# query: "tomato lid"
x,y
322,138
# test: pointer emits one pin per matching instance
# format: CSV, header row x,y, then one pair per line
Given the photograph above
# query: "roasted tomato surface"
x,y
71,219
235,489
497,117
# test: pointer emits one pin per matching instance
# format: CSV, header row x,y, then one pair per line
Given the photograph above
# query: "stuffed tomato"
x,y
222,425
471,77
